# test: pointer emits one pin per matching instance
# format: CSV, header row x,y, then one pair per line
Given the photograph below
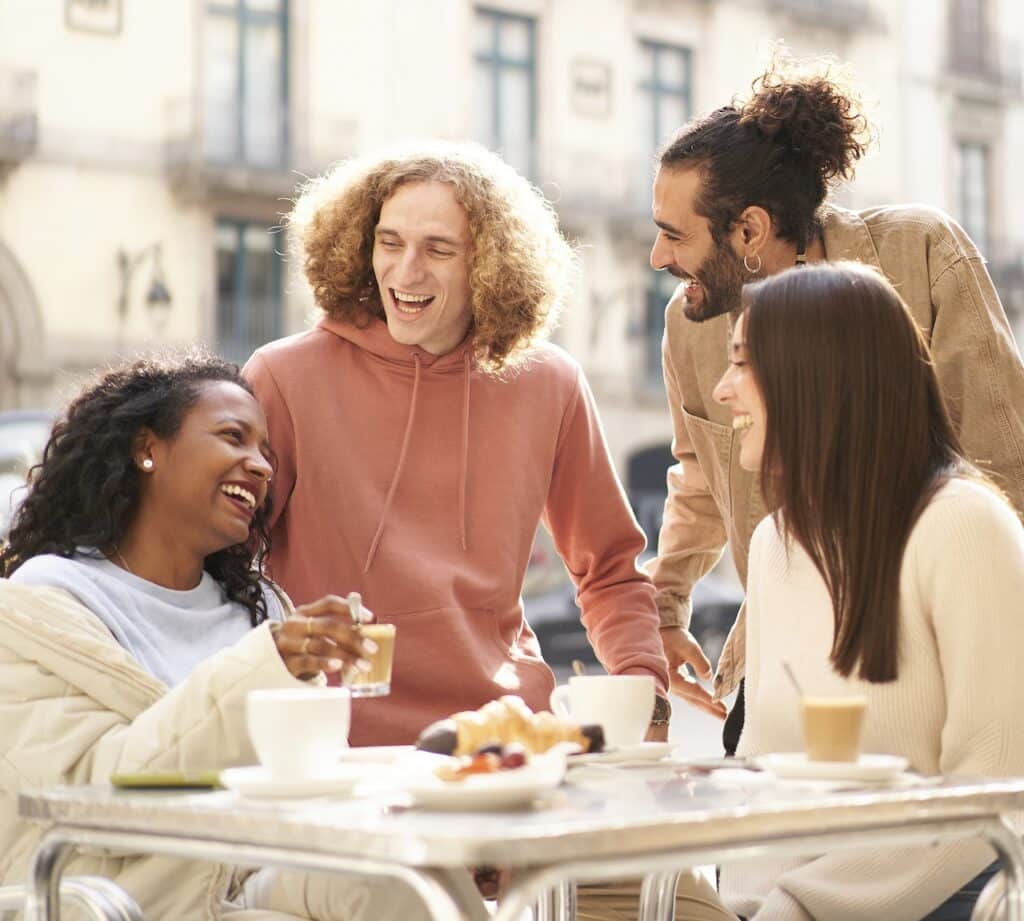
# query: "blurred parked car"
x,y
23,435
549,599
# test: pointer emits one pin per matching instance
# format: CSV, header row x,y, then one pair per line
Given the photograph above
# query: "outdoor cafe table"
x,y
611,824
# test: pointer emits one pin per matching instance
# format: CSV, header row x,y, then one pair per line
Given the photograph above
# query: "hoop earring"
x,y
756,268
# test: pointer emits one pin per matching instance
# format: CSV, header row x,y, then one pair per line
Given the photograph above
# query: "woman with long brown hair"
x,y
890,567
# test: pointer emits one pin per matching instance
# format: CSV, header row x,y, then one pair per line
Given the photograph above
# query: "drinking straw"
x,y
792,678
355,606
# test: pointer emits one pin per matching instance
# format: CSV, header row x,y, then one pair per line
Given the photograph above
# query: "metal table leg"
x,y
658,897
98,897
56,844
1008,843
43,898
557,904
528,887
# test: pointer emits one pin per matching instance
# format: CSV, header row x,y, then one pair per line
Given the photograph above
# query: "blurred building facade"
x,y
149,147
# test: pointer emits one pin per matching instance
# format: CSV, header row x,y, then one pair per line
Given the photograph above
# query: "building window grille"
x,y
660,288
245,77
972,191
505,86
249,289
665,89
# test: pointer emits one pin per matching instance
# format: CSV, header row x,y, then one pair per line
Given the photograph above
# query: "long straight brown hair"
x,y
857,440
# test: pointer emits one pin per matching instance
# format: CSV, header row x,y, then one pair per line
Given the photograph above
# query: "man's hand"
x,y
681,649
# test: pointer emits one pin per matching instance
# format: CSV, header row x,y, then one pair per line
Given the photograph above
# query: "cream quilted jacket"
x,y
75,707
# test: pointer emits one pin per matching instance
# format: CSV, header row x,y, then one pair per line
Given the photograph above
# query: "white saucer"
x,y
375,754
867,767
645,751
258,781
503,790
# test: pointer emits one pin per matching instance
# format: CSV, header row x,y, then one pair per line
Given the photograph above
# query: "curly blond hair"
x,y
520,265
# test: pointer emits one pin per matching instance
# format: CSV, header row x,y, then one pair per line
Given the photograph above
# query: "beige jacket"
x,y
711,499
75,708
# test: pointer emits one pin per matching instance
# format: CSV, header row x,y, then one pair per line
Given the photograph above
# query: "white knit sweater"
x,y
956,707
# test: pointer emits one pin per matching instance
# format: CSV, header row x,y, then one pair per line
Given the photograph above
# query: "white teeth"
x,y
412,298
742,421
244,494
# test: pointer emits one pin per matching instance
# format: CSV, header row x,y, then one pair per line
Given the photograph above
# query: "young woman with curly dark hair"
x,y
741,194
135,619
94,489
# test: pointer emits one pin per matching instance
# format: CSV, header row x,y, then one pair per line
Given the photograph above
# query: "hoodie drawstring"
x,y
398,469
464,460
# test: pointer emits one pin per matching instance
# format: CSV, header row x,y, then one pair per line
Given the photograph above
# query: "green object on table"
x,y
167,780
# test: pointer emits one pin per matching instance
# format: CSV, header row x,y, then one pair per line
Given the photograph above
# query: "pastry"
x,y
504,721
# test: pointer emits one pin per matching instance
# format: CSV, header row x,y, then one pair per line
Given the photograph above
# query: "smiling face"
x,y
739,391
684,247
208,479
421,252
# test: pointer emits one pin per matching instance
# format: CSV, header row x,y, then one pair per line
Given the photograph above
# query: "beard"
x,y
721,277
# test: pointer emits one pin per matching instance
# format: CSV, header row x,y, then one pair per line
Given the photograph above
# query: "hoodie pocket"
x,y
451,659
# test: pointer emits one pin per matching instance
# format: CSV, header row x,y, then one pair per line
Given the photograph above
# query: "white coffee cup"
x,y
621,704
299,732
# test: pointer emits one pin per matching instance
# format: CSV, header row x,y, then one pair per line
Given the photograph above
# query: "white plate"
x,y
515,789
257,781
867,767
645,751
375,754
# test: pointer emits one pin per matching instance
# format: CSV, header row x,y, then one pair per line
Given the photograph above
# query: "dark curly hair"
x,y
86,489
801,129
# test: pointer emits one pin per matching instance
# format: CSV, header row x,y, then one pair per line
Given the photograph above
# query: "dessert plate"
x,y
645,751
375,754
257,781
867,767
502,790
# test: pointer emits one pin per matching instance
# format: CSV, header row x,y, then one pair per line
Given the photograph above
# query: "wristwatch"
x,y
662,712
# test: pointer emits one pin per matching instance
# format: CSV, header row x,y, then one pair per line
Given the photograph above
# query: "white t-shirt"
x,y
169,632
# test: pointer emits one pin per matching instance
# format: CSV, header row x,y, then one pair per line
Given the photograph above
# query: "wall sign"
x,y
101,16
591,87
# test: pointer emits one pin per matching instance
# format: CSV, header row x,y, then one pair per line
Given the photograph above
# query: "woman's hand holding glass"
x,y
323,636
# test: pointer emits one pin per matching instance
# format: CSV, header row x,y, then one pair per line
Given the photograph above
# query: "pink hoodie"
x,y
419,482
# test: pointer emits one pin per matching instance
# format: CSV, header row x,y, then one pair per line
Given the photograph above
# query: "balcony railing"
x,y
985,58
19,122
208,152
834,14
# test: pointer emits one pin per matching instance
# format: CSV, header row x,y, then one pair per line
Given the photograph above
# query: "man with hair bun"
x,y
740,194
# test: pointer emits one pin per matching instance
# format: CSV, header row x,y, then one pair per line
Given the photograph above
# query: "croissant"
x,y
502,721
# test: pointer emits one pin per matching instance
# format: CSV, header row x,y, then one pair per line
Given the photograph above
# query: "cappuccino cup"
x,y
833,727
299,732
621,704
377,681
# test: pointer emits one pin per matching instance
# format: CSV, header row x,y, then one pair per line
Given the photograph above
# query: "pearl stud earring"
x,y
147,464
